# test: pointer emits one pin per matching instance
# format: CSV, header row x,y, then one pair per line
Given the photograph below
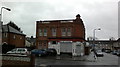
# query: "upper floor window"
x,y
53,31
14,37
40,32
69,32
45,32
63,31
20,37
5,34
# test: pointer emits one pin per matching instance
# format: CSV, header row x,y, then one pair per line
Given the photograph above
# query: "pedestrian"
x,y
95,57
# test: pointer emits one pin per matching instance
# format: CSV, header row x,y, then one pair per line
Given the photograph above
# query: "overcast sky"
x,y
94,13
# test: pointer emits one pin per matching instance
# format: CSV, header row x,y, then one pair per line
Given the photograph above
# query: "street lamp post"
x,y
1,22
94,42
1,12
94,35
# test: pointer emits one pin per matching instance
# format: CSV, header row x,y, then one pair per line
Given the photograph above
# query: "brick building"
x,y
104,44
59,30
30,42
12,35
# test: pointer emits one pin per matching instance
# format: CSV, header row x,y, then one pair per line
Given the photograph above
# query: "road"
x,y
108,60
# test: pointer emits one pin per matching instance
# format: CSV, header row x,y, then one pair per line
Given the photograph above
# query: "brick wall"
x,y
14,39
76,26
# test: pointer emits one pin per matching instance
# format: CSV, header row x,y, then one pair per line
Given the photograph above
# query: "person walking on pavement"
x,y
95,57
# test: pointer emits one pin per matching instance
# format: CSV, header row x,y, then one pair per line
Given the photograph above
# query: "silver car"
x,y
22,51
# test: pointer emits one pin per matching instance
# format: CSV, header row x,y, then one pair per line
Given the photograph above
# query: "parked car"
x,y
114,52
107,50
22,51
99,53
51,52
39,52
118,53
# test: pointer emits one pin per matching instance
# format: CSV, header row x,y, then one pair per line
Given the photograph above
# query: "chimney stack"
x,y
78,16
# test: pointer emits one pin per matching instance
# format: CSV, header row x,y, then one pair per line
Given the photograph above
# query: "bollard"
x,y
32,60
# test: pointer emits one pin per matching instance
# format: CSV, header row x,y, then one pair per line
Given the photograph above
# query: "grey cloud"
x,y
94,14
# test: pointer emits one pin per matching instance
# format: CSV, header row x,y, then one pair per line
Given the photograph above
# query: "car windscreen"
x,y
13,50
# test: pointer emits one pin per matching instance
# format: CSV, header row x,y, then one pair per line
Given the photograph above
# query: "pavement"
x,y
89,57
78,58
107,59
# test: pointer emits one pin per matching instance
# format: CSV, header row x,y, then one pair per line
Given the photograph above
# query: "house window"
x,y
69,32
20,37
14,37
44,44
63,30
40,32
45,32
5,34
53,31
40,45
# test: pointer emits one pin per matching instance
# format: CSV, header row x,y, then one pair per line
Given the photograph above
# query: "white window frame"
x,y
45,32
68,31
14,37
40,32
5,34
53,31
63,31
20,37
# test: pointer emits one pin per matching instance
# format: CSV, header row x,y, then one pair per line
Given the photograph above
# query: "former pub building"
x,y
54,31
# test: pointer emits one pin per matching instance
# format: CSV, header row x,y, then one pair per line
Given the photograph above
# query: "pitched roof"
x,y
7,28
31,40
118,39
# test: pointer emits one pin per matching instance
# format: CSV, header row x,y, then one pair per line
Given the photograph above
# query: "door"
x,y
66,47
78,49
